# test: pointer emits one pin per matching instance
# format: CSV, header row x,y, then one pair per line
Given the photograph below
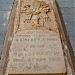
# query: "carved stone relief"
x,y
36,47
37,15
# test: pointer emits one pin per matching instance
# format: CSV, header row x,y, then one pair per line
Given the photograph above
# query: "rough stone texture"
x,y
67,7
62,5
37,51
36,46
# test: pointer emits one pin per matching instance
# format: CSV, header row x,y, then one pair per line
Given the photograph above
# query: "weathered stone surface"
x,y
36,46
36,51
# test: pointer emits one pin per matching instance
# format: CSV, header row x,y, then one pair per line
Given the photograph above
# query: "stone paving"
x,y
5,8
68,12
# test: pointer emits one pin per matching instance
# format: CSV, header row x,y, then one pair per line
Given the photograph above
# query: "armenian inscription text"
x,y
36,51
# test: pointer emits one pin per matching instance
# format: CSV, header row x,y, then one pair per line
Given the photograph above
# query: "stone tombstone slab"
x,y
36,46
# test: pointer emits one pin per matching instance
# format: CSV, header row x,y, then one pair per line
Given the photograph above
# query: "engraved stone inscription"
x,y
36,45
36,51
